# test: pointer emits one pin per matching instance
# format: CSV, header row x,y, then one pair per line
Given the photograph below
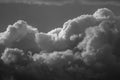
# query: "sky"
x,y
40,34
49,14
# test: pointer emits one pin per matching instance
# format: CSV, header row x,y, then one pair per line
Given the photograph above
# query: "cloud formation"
x,y
14,57
63,2
72,31
101,2
87,45
19,35
39,2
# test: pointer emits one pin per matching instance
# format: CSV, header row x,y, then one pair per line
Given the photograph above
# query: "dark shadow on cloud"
x,y
101,2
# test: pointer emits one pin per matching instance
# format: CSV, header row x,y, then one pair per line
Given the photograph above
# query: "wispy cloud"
x,y
63,2
39,2
100,2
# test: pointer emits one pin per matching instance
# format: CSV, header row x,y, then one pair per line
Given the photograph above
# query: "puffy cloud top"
x,y
73,27
104,13
18,34
73,31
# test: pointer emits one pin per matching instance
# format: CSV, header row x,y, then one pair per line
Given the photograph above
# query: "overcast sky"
x,y
49,14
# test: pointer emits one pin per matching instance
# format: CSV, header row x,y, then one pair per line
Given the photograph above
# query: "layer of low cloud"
x,y
100,2
63,2
39,2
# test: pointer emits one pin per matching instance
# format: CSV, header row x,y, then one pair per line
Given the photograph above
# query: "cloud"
x,y
39,2
101,2
100,40
26,37
63,2
72,31
87,45
14,57
51,59
19,35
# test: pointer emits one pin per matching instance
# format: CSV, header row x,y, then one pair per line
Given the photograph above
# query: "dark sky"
x,y
45,17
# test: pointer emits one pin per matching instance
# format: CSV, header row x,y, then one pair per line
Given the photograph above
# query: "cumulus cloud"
x,y
87,45
39,2
100,40
100,2
23,36
19,35
14,57
72,31
51,42
54,58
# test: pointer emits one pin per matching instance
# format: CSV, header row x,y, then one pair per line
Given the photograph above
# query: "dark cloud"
x,y
101,2
39,2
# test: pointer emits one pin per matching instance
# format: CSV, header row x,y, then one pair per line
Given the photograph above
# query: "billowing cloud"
x,y
61,39
39,2
100,41
87,46
100,2
14,56
96,35
19,35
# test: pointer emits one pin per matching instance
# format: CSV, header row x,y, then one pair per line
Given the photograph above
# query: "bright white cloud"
x,y
19,34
